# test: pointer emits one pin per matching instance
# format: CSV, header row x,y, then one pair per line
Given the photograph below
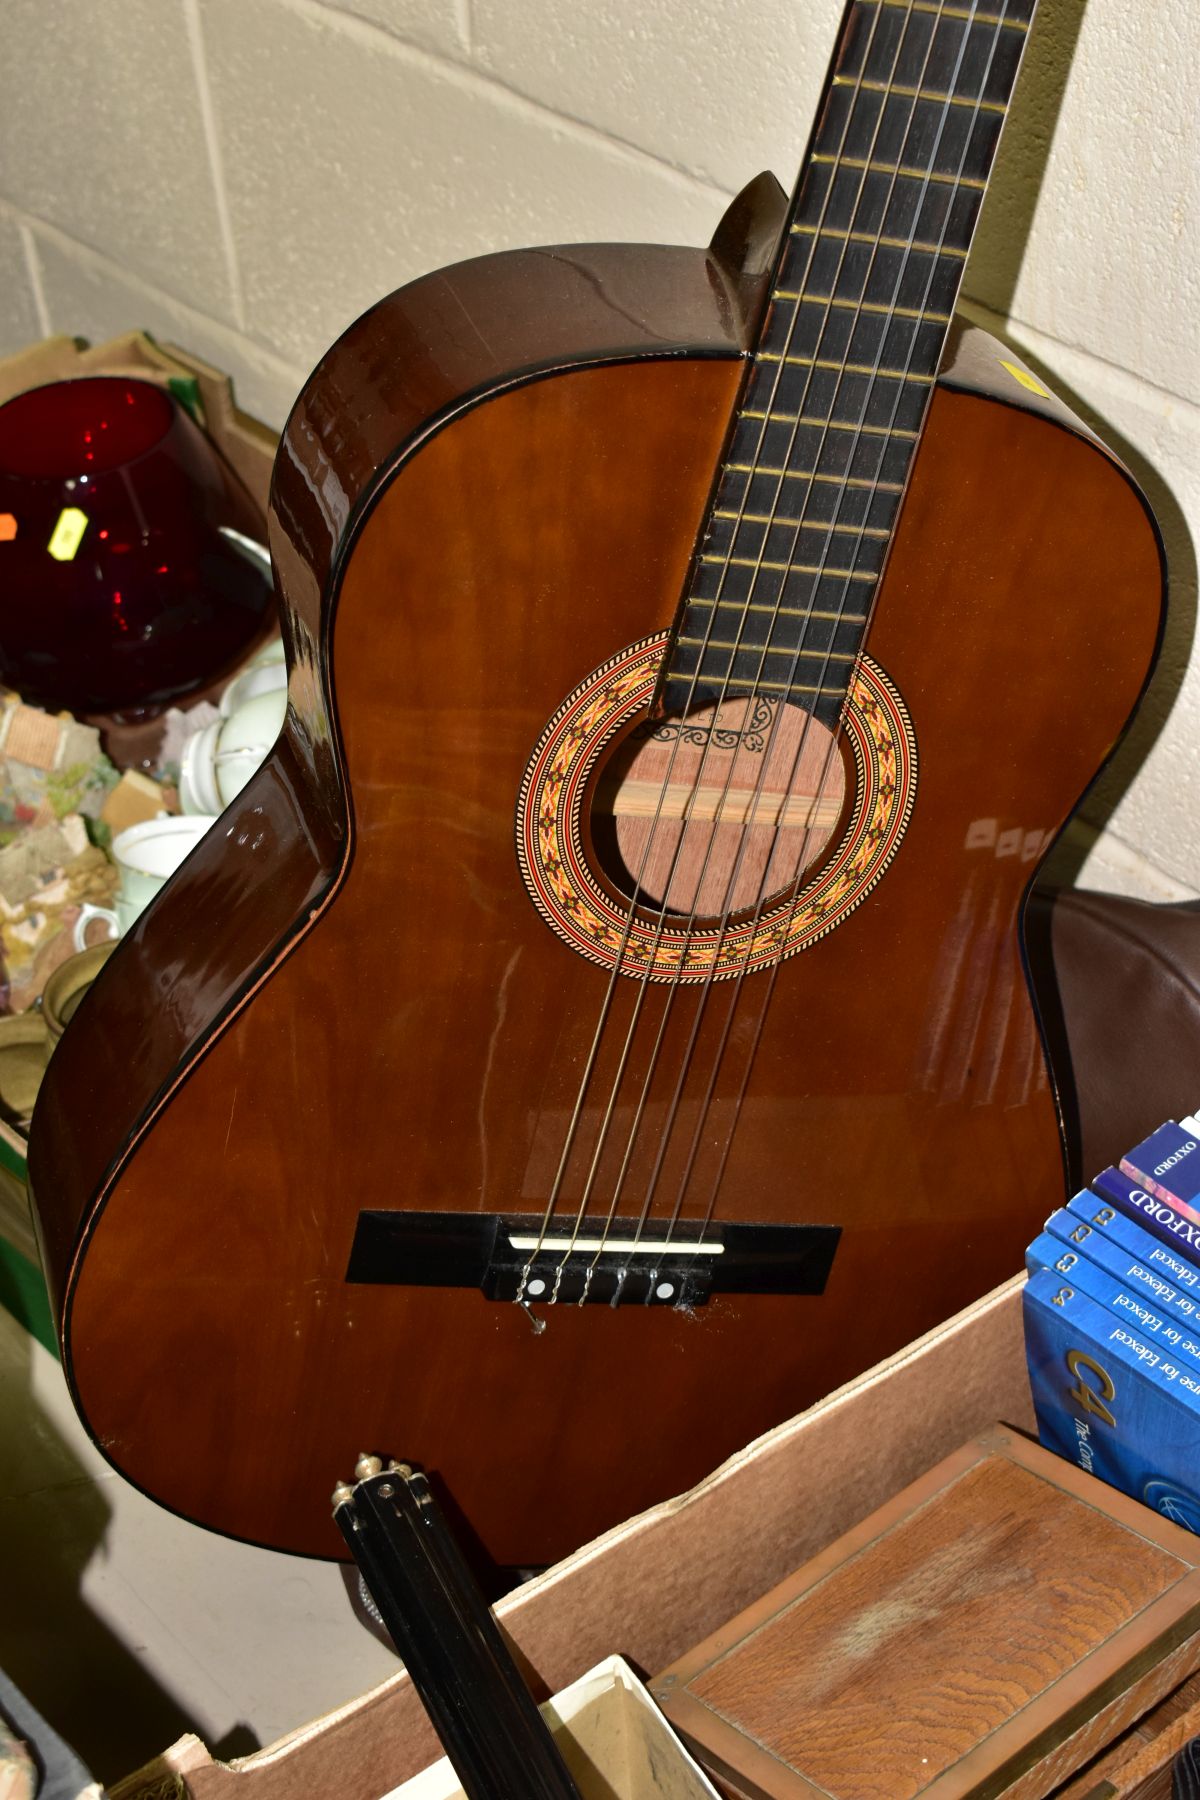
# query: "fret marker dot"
x,y
535,1287
664,1290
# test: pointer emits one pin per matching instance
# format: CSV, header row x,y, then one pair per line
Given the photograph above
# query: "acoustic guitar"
x,y
600,1028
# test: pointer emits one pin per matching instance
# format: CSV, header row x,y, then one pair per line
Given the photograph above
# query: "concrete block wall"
x,y
245,176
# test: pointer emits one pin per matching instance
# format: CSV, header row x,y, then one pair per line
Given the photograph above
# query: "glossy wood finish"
x,y
374,1015
413,362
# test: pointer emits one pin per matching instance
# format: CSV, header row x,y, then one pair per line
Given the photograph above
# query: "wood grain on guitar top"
x,y
456,553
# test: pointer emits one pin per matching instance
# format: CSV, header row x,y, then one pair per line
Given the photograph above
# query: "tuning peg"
x,y
366,1466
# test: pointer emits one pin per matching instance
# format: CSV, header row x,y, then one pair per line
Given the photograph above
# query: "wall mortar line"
x,y
476,81
239,338
191,14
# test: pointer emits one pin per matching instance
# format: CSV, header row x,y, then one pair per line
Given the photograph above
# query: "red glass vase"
x,y
128,570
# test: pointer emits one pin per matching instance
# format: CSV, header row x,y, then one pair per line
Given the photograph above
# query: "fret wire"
x,y
784,612
863,306
854,481
951,12
846,479
910,174
768,649
863,165
847,368
908,93
753,562
917,93
749,604
729,512
833,424
871,237
783,687
848,236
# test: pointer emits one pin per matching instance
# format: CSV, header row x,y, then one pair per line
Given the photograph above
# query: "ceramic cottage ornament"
x,y
54,778
53,765
46,876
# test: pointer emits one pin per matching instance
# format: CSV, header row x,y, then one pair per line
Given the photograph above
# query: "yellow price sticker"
x,y
1026,379
67,535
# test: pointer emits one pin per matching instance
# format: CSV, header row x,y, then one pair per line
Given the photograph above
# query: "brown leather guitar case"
x,y
1118,986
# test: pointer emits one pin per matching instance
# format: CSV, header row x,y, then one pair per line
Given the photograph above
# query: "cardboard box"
x,y
614,1741
651,1588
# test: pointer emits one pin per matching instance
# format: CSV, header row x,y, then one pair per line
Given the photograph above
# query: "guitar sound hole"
x,y
710,812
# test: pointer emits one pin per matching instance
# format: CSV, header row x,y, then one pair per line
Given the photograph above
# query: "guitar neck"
x,y
439,1621
863,291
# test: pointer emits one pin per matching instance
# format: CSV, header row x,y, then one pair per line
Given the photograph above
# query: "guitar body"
x,y
355,995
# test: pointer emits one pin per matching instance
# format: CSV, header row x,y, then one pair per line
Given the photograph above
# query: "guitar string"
x,y
830,536
688,931
801,524
829,541
778,714
774,970
593,1052
648,972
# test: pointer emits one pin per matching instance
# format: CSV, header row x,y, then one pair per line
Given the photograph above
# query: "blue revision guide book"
x,y
1149,1267
1166,1330
1171,1256
1112,1397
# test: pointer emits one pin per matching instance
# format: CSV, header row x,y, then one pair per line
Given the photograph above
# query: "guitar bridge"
x,y
510,1257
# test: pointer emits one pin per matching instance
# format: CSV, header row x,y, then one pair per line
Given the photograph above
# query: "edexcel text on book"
x,y
1175,1254
1169,1330
1130,1255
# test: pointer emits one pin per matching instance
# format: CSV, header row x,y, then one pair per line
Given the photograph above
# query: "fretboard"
x,y
861,300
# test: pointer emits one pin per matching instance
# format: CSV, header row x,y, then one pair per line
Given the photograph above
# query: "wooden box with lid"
x,y
984,1632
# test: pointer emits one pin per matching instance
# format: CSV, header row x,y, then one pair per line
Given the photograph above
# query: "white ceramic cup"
x,y
218,761
145,855
265,675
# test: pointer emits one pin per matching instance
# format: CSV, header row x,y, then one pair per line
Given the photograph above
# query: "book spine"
x,y
1167,1164
1143,1272
1167,1224
1138,1239
1111,1401
1158,1325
